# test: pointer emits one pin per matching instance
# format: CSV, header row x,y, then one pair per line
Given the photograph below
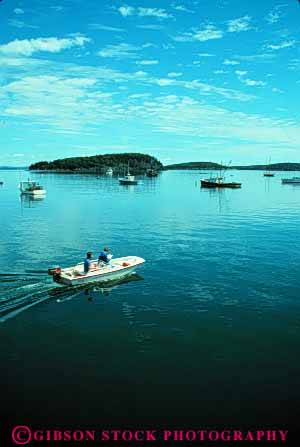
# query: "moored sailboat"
x,y
267,172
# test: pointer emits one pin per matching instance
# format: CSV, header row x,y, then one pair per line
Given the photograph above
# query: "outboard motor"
x,y
55,273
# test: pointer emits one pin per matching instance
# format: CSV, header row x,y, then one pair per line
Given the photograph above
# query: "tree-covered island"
x,y
98,164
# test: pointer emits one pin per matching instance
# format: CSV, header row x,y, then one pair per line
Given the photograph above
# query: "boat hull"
x,y
212,184
128,182
119,268
41,192
291,181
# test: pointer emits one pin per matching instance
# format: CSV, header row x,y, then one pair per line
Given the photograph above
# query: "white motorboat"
x,y
292,180
32,188
117,268
109,171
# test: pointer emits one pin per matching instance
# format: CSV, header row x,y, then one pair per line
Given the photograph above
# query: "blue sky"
x,y
183,80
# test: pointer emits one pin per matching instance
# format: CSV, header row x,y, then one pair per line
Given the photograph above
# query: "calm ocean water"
x,y
205,334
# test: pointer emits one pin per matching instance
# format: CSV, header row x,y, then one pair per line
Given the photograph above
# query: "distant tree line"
x,y
194,165
271,167
138,164
212,166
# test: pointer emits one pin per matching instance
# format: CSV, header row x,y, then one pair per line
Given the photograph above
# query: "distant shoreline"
x,y
189,166
13,168
215,167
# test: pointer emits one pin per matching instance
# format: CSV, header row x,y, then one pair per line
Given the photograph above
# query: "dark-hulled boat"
x,y
151,173
219,182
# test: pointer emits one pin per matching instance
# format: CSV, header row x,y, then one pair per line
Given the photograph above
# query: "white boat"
x,y
117,268
109,171
32,188
292,180
128,179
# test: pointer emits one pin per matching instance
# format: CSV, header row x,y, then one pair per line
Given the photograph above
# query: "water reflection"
x,y
29,201
268,181
21,291
219,195
94,290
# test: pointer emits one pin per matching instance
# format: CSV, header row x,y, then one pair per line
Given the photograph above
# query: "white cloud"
x,y
294,64
163,82
127,11
238,25
201,88
184,116
153,12
205,54
253,83
277,90
148,62
182,8
151,27
230,62
50,44
249,82
272,17
57,8
20,24
59,102
120,51
98,26
174,74
185,37
284,44
208,33
263,57
139,95
18,11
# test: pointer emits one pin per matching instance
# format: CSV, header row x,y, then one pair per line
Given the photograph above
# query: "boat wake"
x,y
21,291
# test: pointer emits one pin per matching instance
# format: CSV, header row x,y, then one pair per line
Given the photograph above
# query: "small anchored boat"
x,y
219,180
151,172
128,179
32,188
109,171
268,173
117,268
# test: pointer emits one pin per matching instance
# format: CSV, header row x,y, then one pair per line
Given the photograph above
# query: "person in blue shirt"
x,y
88,262
105,256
